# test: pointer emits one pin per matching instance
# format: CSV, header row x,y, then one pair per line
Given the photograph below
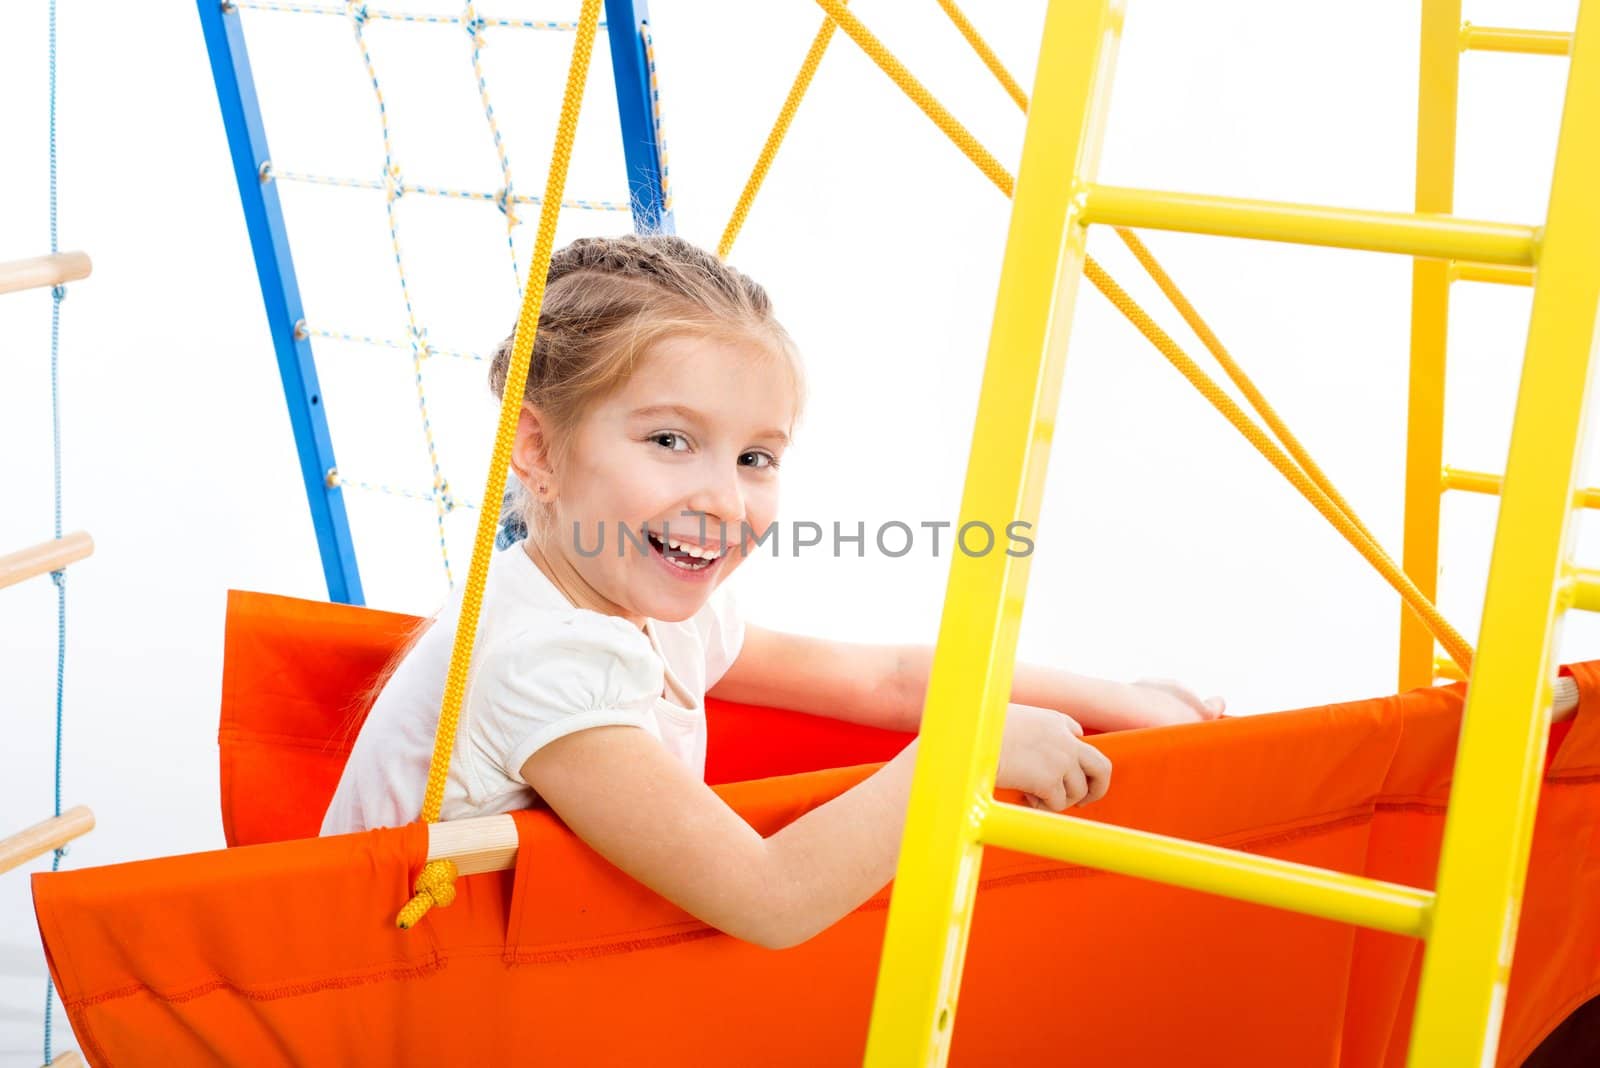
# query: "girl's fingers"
x,y
1097,772
1075,785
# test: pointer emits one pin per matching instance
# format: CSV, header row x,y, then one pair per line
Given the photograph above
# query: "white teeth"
x,y
695,551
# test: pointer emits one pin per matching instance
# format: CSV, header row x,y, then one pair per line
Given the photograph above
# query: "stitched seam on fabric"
x,y
286,990
609,949
1431,808
1568,778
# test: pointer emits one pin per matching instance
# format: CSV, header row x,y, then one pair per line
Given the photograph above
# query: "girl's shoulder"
x,y
522,607
533,644
568,662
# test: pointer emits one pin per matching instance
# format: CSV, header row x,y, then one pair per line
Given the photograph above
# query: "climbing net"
x,y
435,282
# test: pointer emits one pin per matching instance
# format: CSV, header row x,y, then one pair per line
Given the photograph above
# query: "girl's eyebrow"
x,y
669,409
693,416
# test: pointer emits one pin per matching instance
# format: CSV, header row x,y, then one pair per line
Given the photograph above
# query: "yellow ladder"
x,y
1469,922
1444,40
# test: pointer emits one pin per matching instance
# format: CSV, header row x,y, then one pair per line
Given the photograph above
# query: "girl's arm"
x,y
642,809
885,685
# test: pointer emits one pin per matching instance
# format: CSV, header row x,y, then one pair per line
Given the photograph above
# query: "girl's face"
x,y
684,457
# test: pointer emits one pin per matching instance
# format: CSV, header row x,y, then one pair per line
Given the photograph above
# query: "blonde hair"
x,y
606,301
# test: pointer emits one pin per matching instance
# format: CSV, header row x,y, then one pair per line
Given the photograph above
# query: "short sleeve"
x,y
721,624
588,670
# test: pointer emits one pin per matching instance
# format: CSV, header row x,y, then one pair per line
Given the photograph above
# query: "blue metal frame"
x,y
247,142
631,72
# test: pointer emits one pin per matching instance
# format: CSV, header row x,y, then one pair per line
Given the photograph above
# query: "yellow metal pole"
x,y
1484,272
1213,869
1529,42
1482,482
1312,224
1583,586
1430,315
930,912
1507,719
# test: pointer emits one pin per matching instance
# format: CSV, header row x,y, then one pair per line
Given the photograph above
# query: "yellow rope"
x,y
780,128
510,408
1448,636
985,53
1302,472
435,885
1214,345
918,93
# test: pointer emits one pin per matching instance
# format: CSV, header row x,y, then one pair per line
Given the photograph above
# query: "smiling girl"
x,y
663,392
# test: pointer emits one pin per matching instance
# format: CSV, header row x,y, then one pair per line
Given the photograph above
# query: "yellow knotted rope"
x,y
436,883
1302,472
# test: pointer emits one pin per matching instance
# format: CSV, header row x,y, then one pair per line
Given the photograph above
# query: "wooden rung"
x,y
42,272
480,844
1566,698
45,557
41,838
69,1059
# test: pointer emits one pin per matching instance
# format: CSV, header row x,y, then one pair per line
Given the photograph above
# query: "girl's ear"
x,y
530,455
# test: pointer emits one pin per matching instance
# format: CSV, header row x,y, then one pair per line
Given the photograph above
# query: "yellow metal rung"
x,y
1445,668
1483,482
1438,236
1263,880
1529,42
1484,272
1582,589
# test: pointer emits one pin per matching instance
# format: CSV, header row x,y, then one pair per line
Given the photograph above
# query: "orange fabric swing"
x,y
280,952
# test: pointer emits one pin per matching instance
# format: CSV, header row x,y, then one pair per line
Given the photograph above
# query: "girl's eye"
x,y
669,437
758,458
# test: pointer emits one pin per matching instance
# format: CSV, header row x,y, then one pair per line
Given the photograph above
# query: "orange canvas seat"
x,y
284,951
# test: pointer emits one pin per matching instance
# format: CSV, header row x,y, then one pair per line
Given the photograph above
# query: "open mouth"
x,y
684,557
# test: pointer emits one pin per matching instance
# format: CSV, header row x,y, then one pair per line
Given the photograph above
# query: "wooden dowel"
x,y
69,1059
1566,698
41,838
42,272
480,844
45,557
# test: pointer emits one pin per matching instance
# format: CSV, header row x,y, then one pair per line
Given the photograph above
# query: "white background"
x,y
1166,546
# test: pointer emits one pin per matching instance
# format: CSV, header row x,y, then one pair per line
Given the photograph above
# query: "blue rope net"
x,y
59,578
394,185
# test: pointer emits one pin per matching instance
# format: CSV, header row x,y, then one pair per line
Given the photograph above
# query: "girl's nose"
x,y
720,500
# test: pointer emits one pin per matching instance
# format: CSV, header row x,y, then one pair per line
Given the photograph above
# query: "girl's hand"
x,y
1163,702
1043,754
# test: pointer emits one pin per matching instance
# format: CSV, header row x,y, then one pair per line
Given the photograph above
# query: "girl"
x,y
663,392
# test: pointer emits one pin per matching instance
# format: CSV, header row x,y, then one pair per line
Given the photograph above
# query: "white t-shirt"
x,y
543,669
